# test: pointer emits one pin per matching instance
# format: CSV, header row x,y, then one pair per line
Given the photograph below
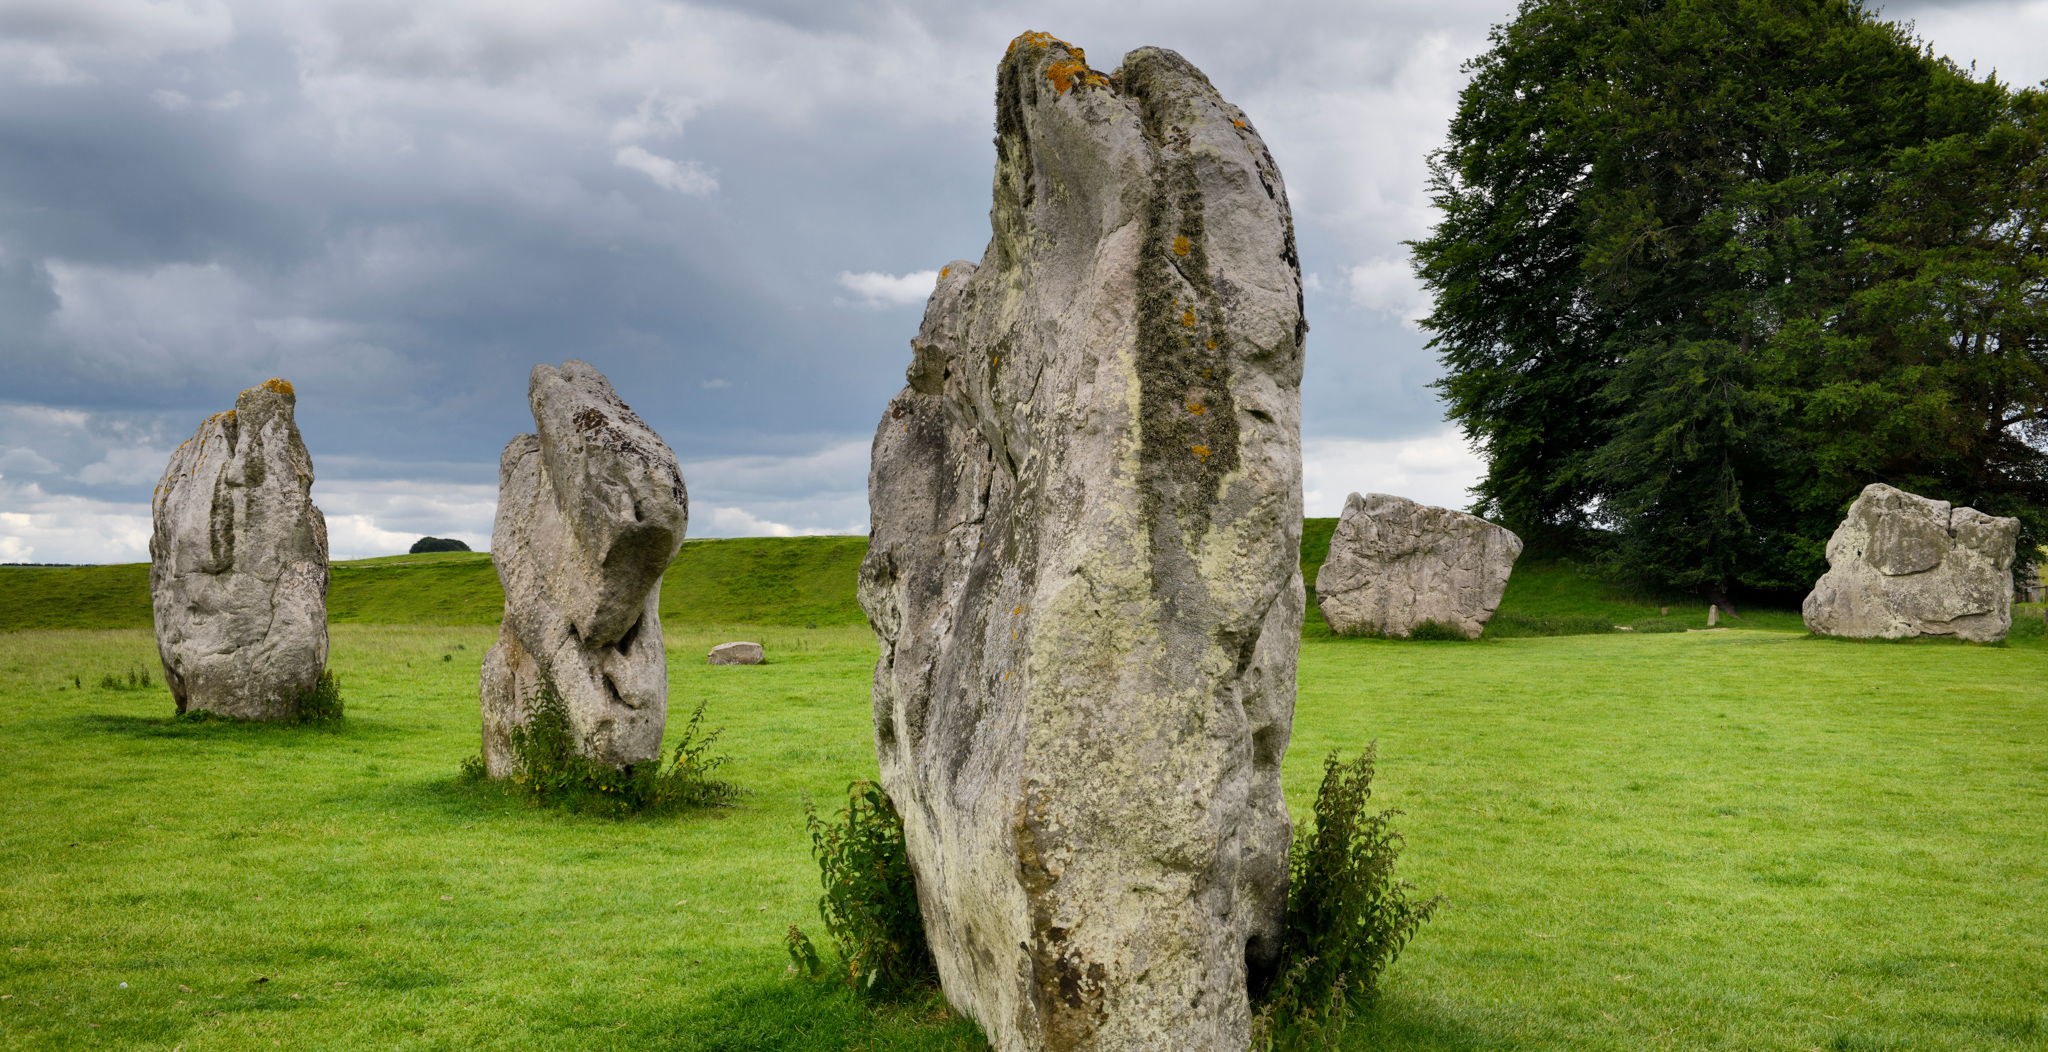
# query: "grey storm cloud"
x,y
731,208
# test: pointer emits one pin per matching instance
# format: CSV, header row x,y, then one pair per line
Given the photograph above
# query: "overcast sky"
x,y
732,209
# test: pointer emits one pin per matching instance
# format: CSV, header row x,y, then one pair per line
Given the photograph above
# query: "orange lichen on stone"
x,y
1197,408
1180,246
1212,344
1188,318
945,272
1237,122
1038,39
278,385
1201,452
1064,74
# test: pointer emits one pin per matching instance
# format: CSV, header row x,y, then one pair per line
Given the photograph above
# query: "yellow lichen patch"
x,y
278,385
1065,72
1188,318
1212,346
1202,452
1197,408
1039,39
1180,246
1237,122
945,272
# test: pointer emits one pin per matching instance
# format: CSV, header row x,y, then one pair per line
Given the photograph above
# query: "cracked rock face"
x,y
238,563
1901,565
590,512
1395,564
1084,569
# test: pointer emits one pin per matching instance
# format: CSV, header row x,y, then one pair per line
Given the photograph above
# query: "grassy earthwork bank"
x,y
1730,840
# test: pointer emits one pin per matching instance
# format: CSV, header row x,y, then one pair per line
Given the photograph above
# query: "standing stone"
x,y
590,512
1084,569
1395,564
1901,565
238,563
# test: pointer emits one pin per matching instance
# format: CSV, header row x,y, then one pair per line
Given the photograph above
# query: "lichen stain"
x,y
1188,318
1180,248
1197,408
277,384
1202,453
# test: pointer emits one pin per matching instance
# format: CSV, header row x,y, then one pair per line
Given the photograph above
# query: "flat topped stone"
x,y
238,563
1901,565
1084,569
1395,564
736,654
591,509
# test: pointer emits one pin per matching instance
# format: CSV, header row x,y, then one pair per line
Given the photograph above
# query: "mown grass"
x,y
1743,840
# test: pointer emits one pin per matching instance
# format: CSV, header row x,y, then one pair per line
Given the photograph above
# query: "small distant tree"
x,y
437,544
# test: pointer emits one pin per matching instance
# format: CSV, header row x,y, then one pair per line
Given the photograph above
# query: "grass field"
x,y
1743,840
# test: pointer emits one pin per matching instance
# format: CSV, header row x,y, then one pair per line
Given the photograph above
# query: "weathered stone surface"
x,y
238,563
1901,565
590,512
736,654
1084,567
1394,564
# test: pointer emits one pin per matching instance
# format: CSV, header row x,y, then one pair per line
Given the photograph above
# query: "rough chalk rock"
x,y
1901,565
736,654
1084,568
590,512
1394,564
238,563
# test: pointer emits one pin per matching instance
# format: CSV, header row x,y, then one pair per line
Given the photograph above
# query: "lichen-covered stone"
x,y
1084,568
238,563
1395,564
1901,565
739,653
590,512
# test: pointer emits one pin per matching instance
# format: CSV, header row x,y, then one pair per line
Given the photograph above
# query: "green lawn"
x,y
1739,840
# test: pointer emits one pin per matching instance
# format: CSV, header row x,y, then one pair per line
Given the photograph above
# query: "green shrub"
x,y
1347,917
437,544
870,901
1509,625
323,702
548,769
1655,625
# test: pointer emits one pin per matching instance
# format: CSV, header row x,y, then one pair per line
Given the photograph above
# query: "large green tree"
x,y
1706,267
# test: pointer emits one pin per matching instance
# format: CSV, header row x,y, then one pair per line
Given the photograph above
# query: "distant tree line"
x,y
1706,268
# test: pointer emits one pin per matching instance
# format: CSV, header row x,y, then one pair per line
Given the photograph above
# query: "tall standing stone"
x,y
1901,565
1395,564
1084,569
238,563
590,512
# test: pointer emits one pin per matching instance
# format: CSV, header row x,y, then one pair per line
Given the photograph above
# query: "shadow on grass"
x,y
175,727
1394,1022
453,797
814,1017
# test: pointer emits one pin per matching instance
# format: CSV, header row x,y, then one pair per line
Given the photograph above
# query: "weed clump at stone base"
x,y
870,901
550,772
1347,917
322,704
137,680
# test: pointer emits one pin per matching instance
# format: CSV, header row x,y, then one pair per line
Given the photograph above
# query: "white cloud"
x,y
715,384
384,517
127,466
888,290
54,41
22,458
685,177
56,528
1434,469
738,522
1391,288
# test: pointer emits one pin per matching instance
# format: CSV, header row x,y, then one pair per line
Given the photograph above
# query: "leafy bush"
x,y
323,702
1655,625
1508,625
437,544
870,901
550,771
1347,917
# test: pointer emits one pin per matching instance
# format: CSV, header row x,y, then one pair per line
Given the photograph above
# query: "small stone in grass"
x,y
736,654
447,898
124,986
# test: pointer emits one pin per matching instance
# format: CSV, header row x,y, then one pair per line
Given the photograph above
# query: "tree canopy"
x,y
1705,268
